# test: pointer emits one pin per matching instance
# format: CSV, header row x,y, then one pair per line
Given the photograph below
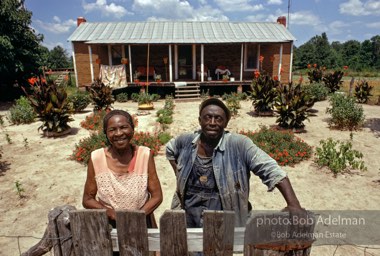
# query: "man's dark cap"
x,y
217,102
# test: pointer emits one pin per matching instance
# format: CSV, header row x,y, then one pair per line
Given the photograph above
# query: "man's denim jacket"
x,y
233,159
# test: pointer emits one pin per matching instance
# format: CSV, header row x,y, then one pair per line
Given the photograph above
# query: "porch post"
x,y
123,56
75,64
130,63
91,65
194,62
176,62
241,62
202,64
109,55
280,64
170,64
291,62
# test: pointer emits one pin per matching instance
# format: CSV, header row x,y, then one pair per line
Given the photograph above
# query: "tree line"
x,y
358,56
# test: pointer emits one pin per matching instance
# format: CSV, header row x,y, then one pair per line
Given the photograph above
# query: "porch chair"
x,y
222,70
141,72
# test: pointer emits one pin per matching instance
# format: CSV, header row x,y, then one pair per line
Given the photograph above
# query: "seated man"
x,y
222,70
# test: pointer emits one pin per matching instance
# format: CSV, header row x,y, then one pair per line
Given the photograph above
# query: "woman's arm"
x,y
154,188
89,195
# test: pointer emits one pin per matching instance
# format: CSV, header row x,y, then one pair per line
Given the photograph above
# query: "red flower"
x,y
275,78
345,67
261,59
308,66
257,74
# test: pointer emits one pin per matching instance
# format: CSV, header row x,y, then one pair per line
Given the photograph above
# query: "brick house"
x,y
183,50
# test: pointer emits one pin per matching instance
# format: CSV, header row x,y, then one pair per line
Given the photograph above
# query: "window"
x,y
251,56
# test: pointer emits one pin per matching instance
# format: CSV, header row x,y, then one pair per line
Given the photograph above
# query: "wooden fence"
x,y
72,232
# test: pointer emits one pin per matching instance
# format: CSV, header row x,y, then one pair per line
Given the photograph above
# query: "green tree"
x,y
376,51
58,58
19,45
350,53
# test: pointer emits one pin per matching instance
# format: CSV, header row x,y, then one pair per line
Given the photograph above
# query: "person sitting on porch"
x,y
122,175
222,70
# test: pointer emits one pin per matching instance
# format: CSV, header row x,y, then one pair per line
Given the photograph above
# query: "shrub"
x,y
338,156
83,149
101,95
315,74
232,102
22,112
122,97
165,115
263,93
292,105
164,137
147,139
345,113
79,100
318,91
283,146
333,81
94,121
363,91
50,103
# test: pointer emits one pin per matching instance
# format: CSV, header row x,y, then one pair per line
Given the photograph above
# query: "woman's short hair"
x,y
117,112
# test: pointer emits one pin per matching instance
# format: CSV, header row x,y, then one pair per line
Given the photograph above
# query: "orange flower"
x,y
308,66
257,74
32,80
315,65
345,67
261,59
275,78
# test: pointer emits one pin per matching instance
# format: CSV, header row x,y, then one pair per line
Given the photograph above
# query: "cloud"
x,y
337,27
275,2
358,8
375,25
106,10
239,6
177,10
57,27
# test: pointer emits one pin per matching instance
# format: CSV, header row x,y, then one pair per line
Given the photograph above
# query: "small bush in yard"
x,y
122,97
345,113
338,156
363,91
79,100
22,112
283,146
94,121
318,91
83,149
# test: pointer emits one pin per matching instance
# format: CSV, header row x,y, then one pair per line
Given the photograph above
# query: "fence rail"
x,y
87,232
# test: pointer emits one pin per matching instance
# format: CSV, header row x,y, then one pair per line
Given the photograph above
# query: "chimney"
x,y
80,20
282,20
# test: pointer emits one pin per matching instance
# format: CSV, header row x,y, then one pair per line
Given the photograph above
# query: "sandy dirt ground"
x,y
49,179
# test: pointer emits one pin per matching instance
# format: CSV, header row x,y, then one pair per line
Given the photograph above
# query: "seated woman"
x,y
122,175
141,72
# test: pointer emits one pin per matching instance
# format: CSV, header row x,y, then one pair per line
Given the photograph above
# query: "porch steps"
x,y
188,92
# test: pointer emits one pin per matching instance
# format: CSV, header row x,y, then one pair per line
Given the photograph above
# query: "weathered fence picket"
x,y
91,234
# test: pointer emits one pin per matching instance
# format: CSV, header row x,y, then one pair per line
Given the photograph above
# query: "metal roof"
x,y
179,32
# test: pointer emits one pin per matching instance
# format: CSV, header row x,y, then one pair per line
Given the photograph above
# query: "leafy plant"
x,y
263,93
19,189
333,81
94,121
293,105
22,112
233,103
83,149
122,97
345,113
26,143
283,146
165,115
363,91
50,103
79,100
318,91
143,98
101,95
164,137
315,74
8,138
338,156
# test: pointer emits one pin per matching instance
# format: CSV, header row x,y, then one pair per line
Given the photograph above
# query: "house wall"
x,y
228,55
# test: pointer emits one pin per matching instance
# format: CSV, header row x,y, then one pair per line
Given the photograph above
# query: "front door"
x,y
185,64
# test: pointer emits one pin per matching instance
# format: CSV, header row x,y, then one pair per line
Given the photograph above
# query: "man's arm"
x,y
287,192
